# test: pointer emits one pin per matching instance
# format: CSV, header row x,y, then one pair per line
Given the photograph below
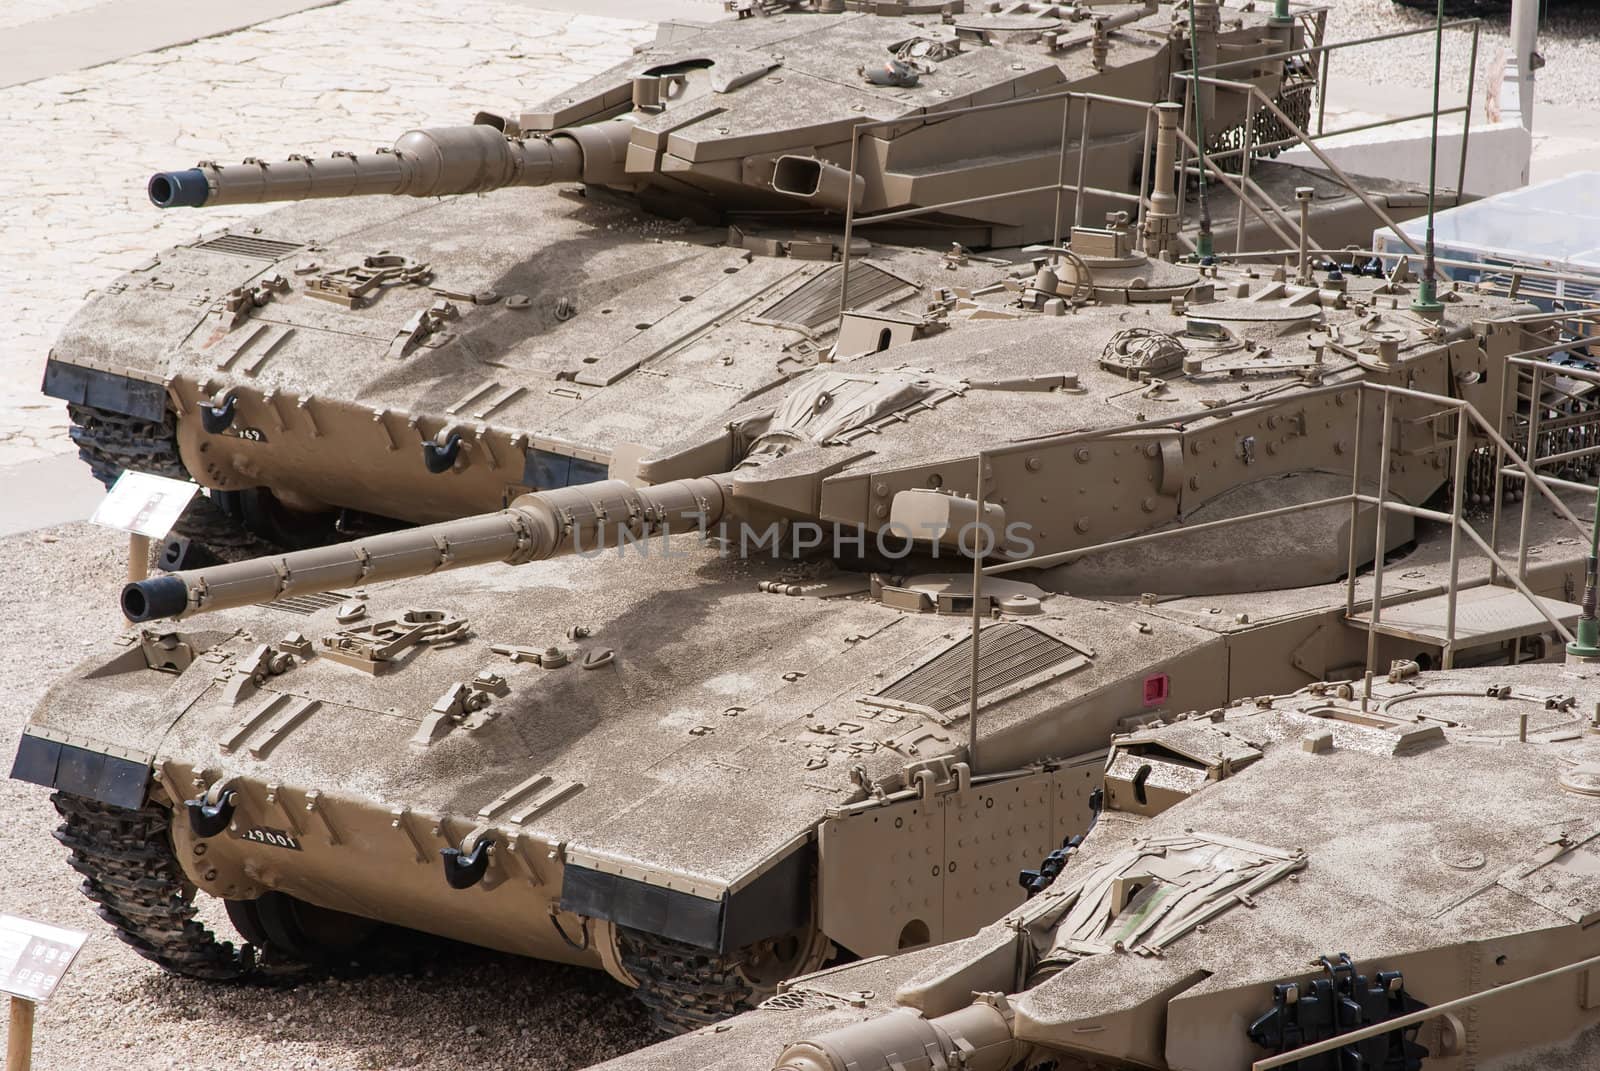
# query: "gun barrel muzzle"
x,y
534,527
178,189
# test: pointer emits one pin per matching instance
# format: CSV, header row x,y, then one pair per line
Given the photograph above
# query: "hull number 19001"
x,y
275,837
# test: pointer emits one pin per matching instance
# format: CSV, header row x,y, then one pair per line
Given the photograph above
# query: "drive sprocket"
x,y
110,443
129,869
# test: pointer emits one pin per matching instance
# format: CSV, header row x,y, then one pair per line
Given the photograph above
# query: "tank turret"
x,y
1333,962
818,115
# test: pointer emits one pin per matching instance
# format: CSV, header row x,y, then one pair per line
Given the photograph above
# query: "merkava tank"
x,y
651,248
1401,878
655,740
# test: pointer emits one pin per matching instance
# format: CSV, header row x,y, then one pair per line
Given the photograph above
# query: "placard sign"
x,y
144,504
35,957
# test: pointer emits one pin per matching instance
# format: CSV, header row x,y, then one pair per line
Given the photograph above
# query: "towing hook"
x,y
441,458
216,419
463,870
209,819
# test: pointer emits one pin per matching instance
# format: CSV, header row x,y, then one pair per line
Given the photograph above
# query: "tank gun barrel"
x,y
423,163
534,527
981,1032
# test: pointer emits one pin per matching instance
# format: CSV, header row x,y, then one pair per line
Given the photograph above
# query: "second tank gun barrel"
x,y
423,163
534,527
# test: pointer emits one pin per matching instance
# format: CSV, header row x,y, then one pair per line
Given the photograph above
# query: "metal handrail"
x,y
1465,413
1254,91
1067,97
1337,45
1325,52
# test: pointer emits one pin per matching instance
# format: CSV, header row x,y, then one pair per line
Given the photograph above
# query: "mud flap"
x,y
777,902
117,394
108,779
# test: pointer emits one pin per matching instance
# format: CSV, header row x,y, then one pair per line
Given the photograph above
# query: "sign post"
x,y
19,1042
34,958
145,506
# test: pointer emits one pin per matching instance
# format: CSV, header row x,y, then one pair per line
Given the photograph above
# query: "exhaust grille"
x,y
1008,655
306,605
816,304
247,245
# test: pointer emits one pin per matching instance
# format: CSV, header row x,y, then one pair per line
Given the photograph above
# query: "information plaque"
x,y
35,957
142,503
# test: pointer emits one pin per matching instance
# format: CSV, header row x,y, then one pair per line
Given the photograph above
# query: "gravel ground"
x,y
458,1009
1569,39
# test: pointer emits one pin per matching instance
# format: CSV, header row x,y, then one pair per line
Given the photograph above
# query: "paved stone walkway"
x,y
356,75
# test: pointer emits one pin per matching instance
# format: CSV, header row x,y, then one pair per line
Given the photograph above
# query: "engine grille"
x,y
248,245
1008,654
309,604
816,304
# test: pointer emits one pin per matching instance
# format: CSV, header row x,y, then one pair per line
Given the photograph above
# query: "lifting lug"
x,y
440,458
463,870
209,819
216,419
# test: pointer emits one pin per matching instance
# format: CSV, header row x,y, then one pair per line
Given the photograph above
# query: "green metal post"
x,y
1427,299
1202,245
1586,647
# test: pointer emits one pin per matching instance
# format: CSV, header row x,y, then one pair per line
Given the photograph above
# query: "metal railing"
x,y
1324,53
1059,187
1253,95
1465,416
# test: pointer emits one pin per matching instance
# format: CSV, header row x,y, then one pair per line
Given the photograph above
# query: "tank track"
x,y
683,986
110,443
130,870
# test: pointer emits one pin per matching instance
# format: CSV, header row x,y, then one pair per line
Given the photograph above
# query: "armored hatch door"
x,y
1562,874
938,865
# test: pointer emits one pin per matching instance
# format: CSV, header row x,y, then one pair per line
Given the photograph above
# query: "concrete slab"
x,y
47,492
122,28
648,10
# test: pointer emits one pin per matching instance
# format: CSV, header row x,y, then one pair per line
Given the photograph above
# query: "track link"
x,y
129,869
684,987
110,442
